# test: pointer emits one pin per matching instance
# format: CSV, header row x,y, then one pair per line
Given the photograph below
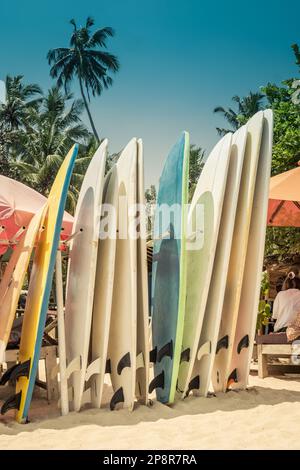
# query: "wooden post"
x,y
50,364
64,400
262,362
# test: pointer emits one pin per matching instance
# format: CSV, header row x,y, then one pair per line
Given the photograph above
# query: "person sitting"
x,y
293,330
287,303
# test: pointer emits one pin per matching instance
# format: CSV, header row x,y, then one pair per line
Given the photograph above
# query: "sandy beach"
x,y
266,416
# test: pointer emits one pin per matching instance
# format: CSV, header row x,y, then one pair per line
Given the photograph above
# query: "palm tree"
x,y
51,130
246,108
83,60
20,99
296,50
196,164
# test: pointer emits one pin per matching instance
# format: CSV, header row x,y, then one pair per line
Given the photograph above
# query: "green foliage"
x,y
265,284
264,314
246,108
38,150
286,154
87,60
281,241
196,164
286,138
150,195
20,100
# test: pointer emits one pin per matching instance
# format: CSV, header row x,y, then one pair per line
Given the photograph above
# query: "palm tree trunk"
x,y
88,111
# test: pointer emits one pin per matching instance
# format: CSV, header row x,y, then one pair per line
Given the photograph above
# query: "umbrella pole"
x,y
64,399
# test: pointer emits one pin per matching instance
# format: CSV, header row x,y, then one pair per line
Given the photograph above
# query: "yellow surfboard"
x,y
39,293
13,279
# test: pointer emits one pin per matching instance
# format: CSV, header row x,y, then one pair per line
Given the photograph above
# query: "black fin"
x,y
12,403
41,384
118,397
222,343
153,355
22,370
244,343
108,366
165,351
157,382
233,378
193,385
124,362
185,355
7,374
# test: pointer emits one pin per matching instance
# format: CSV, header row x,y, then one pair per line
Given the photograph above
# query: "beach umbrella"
x,y
284,199
18,204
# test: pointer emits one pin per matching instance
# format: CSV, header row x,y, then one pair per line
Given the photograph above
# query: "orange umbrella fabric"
x,y
284,199
18,204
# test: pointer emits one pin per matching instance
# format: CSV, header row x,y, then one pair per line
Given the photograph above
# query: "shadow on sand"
x,y
228,402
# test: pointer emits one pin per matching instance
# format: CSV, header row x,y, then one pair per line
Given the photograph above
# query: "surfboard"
x,y
142,371
123,324
38,293
221,369
82,272
206,348
13,279
247,315
169,271
203,228
104,288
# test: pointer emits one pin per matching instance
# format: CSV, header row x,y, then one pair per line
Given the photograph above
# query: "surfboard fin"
x,y
193,385
157,382
223,343
165,351
153,355
73,366
124,362
6,376
233,378
185,355
140,363
118,397
204,350
93,368
244,343
108,366
18,370
12,403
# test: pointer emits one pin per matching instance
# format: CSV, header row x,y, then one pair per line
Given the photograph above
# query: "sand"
x,y
266,416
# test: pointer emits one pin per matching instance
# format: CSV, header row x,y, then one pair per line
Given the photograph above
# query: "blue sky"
x,y
179,59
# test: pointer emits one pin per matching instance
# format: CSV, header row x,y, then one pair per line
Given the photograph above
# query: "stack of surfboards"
x,y
206,285
106,311
107,291
207,261
44,231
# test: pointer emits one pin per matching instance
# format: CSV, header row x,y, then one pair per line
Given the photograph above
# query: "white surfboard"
x,y
103,289
247,316
221,369
213,311
203,227
123,325
142,372
81,274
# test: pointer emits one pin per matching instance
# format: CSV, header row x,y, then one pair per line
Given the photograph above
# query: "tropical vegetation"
x,y
86,59
286,142
37,127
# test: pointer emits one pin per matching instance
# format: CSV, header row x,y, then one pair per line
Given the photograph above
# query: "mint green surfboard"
x,y
169,271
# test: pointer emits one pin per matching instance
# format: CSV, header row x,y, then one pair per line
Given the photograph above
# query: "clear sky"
x,y
179,59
